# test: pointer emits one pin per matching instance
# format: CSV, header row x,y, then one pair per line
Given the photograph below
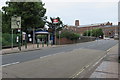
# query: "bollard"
x,y
42,43
38,43
25,44
19,46
51,43
47,43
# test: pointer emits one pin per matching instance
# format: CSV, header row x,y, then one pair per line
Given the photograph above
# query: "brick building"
x,y
108,29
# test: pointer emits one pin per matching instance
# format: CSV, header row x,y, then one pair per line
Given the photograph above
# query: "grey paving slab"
x,y
109,68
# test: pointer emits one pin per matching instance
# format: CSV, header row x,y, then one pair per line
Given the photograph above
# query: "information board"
x,y
15,22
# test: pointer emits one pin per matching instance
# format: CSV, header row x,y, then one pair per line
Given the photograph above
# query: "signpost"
x,y
55,21
16,24
59,36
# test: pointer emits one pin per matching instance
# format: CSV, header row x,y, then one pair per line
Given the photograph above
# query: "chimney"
x,y
77,23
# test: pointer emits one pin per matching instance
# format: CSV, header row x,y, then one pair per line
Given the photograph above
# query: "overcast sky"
x,y
87,11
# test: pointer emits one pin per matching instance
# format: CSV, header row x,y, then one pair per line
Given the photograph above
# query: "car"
x,y
106,38
111,36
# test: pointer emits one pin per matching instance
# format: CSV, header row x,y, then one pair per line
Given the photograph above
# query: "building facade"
x,y
109,30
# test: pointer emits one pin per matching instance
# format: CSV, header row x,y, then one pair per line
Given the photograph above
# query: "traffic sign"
x,y
15,22
55,21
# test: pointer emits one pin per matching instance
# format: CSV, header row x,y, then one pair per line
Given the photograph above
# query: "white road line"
x,y
51,55
10,64
91,45
99,60
108,50
78,73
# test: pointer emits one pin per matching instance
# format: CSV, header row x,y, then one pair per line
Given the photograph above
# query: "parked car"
x,y
111,36
106,38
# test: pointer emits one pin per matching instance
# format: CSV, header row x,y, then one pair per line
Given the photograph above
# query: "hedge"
x,y
6,40
69,35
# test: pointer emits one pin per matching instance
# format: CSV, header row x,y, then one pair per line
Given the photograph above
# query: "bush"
x,y
6,39
69,35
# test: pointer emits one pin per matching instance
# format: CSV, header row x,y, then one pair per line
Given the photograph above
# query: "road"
x,y
60,62
26,56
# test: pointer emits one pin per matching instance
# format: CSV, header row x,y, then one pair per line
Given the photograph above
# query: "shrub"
x,y
69,35
6,39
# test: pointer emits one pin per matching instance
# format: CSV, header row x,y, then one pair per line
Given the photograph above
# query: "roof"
x,y
41,32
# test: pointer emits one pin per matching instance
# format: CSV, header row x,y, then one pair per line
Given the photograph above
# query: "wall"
x,y
82,39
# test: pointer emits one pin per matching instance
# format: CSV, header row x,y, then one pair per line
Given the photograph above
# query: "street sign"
x,y
55,21
15,22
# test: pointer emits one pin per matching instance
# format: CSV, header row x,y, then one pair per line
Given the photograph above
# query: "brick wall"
x,y
82,39
64,41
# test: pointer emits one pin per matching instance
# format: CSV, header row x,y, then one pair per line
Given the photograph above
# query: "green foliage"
x,y
69,35
87,33
30,12
94,32
0,18
6,39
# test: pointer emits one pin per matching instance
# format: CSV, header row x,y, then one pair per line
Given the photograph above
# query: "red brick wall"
x,y
82,39
64,41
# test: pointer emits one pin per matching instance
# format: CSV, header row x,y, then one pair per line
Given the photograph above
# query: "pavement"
x,y
30,47
109,68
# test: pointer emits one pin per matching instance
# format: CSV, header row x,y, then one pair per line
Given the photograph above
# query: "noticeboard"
x,y
15,22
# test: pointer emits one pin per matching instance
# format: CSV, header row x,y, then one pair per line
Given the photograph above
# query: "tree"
x,y
69,35
0,27
94,32
0,16
30,12
87,33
